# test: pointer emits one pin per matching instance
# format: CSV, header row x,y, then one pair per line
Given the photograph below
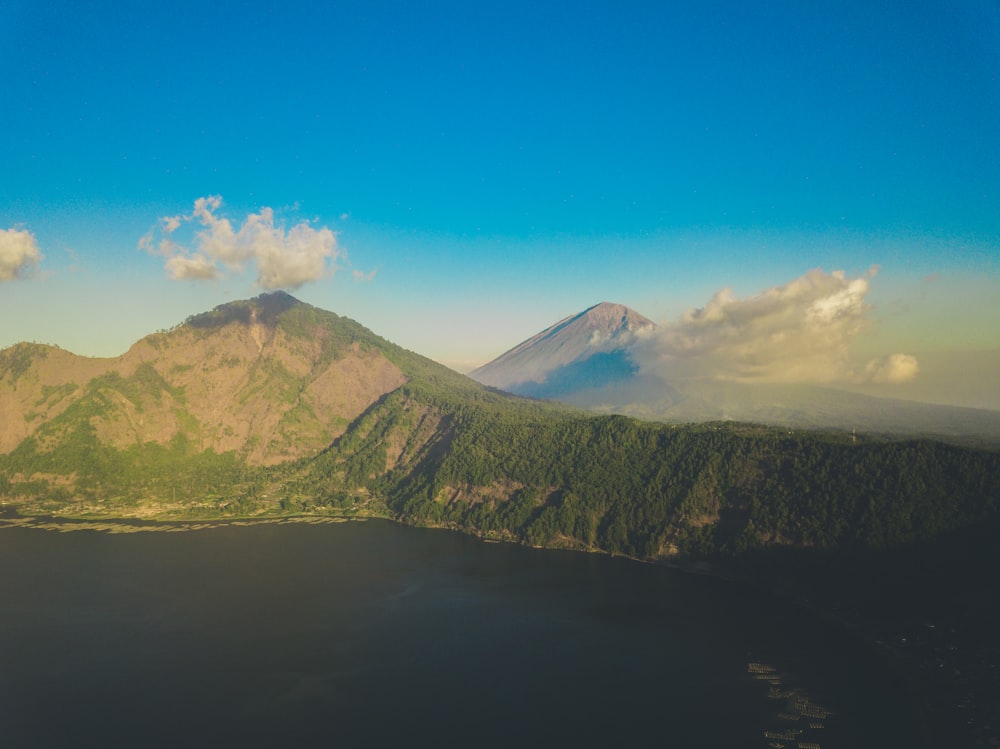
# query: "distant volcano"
x,y
583,351
585,360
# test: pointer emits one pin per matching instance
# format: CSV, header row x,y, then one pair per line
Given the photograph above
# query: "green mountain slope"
x,y
271,406
527,471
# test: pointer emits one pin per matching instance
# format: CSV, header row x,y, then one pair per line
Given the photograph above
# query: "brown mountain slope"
x,y
37,383
271,379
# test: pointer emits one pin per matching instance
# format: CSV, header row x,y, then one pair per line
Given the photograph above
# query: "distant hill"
x,y
586,350
584,360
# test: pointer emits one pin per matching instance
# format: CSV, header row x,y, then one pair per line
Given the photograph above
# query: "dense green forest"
x,y
519,470
446,452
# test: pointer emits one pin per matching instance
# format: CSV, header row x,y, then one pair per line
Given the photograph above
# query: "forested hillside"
x,y
295,410
515,469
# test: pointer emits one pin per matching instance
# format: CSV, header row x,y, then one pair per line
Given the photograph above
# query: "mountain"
x,y
584,360
585,350
269,407
270,379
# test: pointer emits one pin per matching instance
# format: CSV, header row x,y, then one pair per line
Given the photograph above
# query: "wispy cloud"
x,y
19,254
284,259
799,332
891,369
362,277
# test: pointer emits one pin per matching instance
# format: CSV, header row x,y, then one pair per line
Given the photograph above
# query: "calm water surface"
x,y
376,634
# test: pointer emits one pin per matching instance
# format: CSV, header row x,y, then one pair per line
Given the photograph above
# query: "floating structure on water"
x,y
798,708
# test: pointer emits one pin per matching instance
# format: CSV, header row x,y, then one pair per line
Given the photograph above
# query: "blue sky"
x,y
489,169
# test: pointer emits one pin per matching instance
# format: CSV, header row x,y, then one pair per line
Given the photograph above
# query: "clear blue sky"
x,y
489,169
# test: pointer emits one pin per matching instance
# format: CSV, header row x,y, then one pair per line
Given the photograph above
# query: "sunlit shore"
x,y
127,525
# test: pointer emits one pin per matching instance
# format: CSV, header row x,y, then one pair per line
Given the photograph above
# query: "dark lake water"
x,y
374,634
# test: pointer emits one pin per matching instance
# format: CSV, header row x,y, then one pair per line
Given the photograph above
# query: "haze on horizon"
x,y
459,178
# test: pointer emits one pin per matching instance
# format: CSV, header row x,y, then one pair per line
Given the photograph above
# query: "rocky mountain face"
x,y
271,379
582,351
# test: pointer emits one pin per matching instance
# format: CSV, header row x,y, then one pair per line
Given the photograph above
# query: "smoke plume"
x,y
892,369
796,333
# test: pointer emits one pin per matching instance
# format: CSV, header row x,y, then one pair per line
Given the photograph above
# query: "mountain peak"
x,y
269,378
611,317
263,309
600,334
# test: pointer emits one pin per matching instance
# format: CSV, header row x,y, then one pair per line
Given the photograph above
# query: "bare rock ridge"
x,y
270,378
584,350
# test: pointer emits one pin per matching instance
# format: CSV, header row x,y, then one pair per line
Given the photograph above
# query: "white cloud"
x,y
796,333
362,277
191,268
283,259
19,254
892,369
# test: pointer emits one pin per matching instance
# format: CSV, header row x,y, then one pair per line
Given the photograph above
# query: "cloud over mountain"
x,y
892,369
284,259
19,253
799,332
